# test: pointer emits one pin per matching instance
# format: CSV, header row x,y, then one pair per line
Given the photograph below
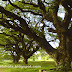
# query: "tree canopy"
x,y
30,17
18,44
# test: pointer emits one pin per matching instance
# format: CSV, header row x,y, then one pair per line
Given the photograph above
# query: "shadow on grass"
x,y
47,65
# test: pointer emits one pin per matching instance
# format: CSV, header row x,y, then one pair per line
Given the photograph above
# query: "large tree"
x,y
42,10
18,44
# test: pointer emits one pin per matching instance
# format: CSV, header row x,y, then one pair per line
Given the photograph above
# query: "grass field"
x,y
30,67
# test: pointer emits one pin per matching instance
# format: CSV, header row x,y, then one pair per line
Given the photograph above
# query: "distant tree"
x,y
18,44
10,44
4,55
7,55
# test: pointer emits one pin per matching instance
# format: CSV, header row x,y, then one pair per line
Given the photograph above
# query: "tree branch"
x,y
8,25
51,30
34,5
57,22
67,5
10,36
67,19
24,10
26,30
42,6
2,45
32,52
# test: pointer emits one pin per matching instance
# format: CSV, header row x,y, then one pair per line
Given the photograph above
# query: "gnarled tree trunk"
x,y
63,59
25,60
16,59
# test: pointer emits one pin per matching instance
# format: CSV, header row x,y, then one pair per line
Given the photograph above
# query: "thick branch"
x,y
2,45
67,19
8,25
42,6
57,22
34,5
26,30
10,36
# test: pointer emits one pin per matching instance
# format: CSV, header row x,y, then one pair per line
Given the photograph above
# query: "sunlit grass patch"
x,y
30,67
35,66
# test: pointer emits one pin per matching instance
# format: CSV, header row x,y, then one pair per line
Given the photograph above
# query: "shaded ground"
x,y
31,67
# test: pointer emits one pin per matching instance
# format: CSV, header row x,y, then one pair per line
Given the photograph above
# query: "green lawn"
x,y
31,67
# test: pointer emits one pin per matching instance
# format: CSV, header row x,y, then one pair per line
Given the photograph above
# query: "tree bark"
x,y
63,62
16,59
25,60
63,59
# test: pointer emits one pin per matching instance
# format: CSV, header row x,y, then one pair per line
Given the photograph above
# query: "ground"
x,y
33,66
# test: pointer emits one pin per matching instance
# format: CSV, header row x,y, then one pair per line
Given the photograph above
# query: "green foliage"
x,y
9,7
4,55
39,33
7,56
40,55
17,43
